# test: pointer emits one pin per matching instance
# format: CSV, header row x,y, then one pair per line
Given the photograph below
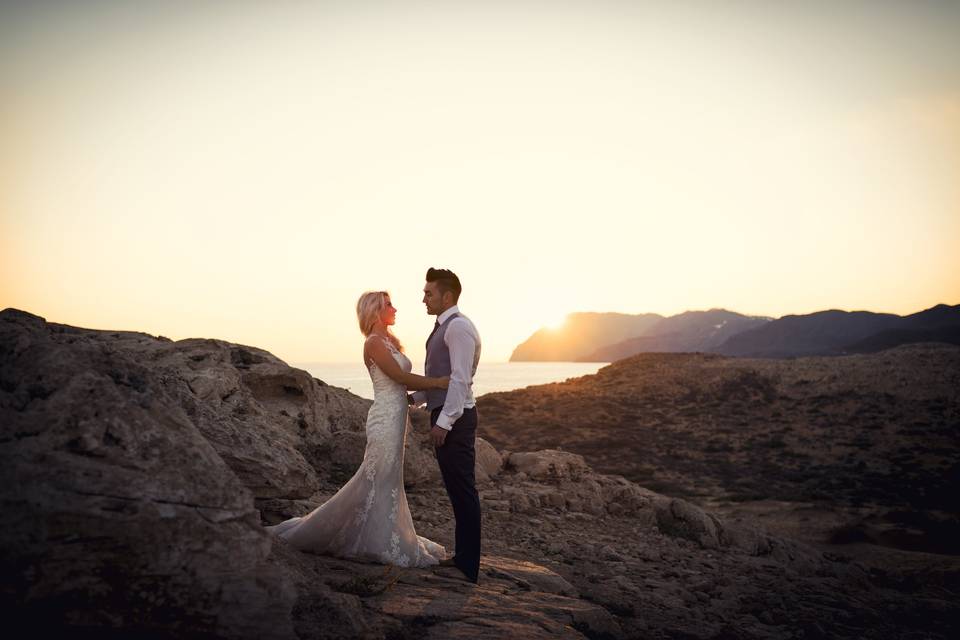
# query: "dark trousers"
x,y
457,458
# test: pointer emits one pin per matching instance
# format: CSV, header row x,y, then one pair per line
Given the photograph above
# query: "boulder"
x,y
120,514
419,460
271,423
489,464
548,464
681,519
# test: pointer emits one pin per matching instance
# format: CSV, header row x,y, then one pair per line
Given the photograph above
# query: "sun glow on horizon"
x,y
556,322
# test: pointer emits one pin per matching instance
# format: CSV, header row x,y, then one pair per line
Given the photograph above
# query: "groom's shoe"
x,y
451,562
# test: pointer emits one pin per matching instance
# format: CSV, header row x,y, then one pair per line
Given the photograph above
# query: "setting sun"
x,y
556,321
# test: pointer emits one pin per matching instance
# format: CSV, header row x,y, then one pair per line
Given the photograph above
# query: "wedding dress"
x,y
368,518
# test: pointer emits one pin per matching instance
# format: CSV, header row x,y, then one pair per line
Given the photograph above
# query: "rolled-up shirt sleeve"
x,y
462,346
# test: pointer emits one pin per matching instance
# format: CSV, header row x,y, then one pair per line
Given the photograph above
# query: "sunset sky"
x,y
244,171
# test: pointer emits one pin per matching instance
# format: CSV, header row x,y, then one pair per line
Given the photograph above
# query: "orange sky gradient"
x,y
245,171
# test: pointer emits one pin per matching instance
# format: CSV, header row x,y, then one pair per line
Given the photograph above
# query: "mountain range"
x,y
606,337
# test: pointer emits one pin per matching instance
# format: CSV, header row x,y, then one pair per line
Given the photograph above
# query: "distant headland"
x,y
607,337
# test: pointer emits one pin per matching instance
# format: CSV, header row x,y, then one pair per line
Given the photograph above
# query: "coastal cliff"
x,y
138,473
581,334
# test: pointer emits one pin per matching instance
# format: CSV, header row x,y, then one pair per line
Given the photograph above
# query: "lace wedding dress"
x,y
368,518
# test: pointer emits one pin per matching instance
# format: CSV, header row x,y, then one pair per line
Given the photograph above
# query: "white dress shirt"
x,y
463,341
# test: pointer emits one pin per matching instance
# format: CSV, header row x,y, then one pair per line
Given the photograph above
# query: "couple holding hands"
x,y
369,518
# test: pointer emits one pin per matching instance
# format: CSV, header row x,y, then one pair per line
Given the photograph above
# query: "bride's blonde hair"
x,y
369,307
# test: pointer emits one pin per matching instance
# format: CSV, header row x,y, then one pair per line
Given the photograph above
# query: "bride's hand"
x,y
443,383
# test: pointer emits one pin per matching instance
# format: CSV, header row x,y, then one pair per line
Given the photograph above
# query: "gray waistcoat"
x,y
437,363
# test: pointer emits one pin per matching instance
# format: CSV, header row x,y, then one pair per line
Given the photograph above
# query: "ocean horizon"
x,y
491,376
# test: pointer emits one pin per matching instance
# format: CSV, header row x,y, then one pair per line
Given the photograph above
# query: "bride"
x,y
368,518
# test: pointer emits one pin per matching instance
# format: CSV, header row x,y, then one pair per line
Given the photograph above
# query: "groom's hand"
x,y
439,436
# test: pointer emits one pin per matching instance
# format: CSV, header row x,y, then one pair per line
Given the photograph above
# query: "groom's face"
x,y
434,299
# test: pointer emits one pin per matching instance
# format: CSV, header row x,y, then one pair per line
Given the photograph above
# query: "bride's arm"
x,y
380,354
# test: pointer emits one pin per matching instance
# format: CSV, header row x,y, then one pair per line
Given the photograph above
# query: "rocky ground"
x,y
863,447
137,473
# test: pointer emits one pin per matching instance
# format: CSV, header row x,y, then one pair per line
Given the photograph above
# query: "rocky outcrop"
x,y
120,513
137,473
341,599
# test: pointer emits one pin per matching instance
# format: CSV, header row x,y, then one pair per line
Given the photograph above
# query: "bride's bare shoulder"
x,y
377,340
376,344
372,347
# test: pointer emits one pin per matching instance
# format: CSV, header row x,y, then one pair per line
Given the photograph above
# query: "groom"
x,y
453,349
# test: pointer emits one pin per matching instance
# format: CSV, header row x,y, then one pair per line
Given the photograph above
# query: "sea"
x,y
491,376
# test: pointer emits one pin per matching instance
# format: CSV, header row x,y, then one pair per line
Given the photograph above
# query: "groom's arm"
x,y
462,347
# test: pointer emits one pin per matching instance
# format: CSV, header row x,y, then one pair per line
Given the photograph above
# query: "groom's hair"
x,y
446,281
